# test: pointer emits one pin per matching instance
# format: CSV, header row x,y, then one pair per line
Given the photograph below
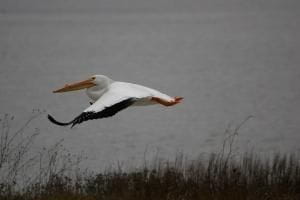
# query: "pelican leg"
x,y
167,103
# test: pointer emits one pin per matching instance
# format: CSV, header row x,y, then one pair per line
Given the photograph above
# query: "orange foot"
x,y
178,99
167,103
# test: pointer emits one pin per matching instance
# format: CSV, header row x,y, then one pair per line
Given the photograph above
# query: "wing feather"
x,y
119,96
106,112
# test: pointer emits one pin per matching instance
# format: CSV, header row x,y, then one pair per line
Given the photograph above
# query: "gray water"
x,y
229,62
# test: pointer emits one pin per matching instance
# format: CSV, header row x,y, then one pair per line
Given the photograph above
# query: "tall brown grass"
x,y
221,176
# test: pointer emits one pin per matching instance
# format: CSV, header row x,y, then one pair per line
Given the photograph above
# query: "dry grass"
x,y
221,176
249,178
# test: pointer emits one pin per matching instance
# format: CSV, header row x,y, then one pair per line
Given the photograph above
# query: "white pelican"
x,y
109,97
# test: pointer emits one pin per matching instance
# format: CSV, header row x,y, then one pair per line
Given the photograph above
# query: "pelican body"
x,y
109,97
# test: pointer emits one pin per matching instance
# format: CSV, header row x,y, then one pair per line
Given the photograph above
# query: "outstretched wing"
x,y
105,112
118,97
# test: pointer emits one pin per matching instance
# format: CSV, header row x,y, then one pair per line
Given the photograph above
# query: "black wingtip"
x,y
54,121
107,112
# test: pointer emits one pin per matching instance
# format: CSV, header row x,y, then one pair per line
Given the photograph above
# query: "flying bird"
x,y
109,97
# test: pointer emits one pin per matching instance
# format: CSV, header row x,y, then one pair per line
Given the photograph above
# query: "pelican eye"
x,y
93,78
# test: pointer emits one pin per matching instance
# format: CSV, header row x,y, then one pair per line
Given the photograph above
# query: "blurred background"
x,y
229,59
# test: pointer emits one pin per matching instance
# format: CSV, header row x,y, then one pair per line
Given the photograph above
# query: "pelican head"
x,y
95,80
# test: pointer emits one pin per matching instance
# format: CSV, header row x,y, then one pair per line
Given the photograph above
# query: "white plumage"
x,y
109,97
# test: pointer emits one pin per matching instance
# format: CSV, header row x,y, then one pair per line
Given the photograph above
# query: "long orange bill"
x,y
76,86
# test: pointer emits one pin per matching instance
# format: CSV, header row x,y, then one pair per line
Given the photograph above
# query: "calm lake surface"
x,y
227,65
